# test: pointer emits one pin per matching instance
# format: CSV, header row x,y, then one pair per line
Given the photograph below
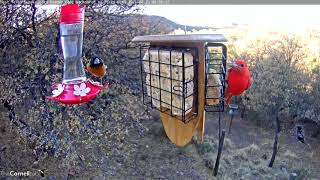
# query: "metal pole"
x,y
230,123
219,125
221,140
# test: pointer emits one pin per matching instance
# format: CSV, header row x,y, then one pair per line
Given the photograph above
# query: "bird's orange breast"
x,y
99,71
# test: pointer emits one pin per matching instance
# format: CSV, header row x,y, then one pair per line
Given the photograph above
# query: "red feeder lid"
x,y
71,14
76,93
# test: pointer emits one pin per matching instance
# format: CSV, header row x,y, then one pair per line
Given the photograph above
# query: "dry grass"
x,y
251,162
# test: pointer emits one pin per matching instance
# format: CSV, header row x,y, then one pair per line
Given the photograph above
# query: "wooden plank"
x,y
178,132
201,93
189,38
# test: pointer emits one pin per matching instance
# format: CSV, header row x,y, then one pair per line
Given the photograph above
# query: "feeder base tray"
x,y
76,93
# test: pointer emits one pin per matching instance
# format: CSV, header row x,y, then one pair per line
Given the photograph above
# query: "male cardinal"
x,y
239,79
96,67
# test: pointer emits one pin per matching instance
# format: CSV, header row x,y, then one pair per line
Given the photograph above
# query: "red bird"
x,y
239,79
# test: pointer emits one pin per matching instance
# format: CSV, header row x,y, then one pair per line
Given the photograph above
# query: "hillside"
x,y
116,136
162,21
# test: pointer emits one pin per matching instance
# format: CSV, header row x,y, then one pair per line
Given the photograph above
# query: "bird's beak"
x,y
234,65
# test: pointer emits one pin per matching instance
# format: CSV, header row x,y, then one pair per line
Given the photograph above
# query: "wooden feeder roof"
x,y
181,38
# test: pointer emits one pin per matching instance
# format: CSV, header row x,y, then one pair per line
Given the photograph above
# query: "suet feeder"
x,y
183,76
75,87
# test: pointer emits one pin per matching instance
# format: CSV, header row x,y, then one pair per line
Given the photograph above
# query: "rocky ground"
x,y
146,153
248,151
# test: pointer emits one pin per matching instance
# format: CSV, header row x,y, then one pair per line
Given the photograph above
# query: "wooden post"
x,y
221,140
201,92
275,144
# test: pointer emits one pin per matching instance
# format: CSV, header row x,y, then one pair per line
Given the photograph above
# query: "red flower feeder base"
x,y
76,93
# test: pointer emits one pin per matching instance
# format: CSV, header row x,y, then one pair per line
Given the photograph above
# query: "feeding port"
x,y
75,87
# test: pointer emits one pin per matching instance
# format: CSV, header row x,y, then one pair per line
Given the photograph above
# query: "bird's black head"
x,y
96,61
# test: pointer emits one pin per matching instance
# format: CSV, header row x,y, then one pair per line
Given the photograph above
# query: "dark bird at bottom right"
x,y
300,134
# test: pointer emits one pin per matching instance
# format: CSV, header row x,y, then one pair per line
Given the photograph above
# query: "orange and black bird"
x,y
97,68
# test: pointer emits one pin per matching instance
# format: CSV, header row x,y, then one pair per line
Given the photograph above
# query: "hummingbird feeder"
x,y
75,87
183,76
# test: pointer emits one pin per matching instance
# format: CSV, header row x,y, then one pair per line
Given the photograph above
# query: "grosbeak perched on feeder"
x,y
239,79
97,68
